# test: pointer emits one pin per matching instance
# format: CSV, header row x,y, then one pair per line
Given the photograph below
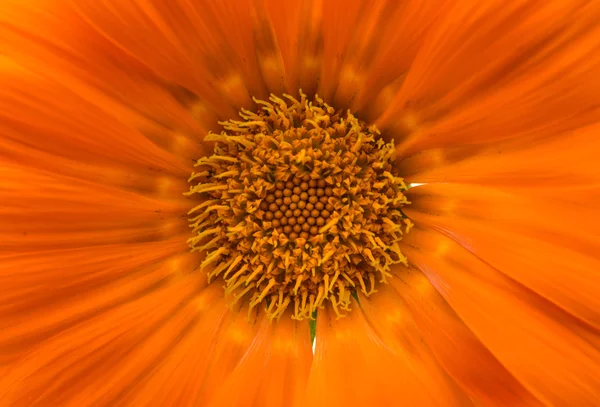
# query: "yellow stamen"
x,y
212,257
300,205
239,273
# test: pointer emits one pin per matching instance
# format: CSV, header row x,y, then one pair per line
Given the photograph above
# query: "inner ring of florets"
x,y
300,206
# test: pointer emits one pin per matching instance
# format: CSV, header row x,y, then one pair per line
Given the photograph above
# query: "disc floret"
x,y
300,205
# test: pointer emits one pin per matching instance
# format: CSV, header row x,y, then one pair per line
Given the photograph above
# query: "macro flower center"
x,y
300,206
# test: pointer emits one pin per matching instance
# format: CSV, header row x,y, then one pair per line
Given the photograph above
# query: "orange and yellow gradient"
x,y
488,111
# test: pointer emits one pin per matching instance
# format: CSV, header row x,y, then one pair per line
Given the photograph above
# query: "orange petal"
x,y
42,39
43,120
382,51
103,358
394,323
339,20
412,168
233,28
236,336
456,348
154,351
181,42
274,369
541,345
298,26
367,49
42,211
524,236
566,162
353,366
493,71
374,22
178,380
46,292
267,49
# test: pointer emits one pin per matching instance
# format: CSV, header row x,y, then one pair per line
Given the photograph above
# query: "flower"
x,y
488,111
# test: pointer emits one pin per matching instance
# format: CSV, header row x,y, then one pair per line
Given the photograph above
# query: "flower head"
x,y
192,190
299,206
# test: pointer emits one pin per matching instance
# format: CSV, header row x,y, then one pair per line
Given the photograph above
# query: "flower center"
x,y
299,206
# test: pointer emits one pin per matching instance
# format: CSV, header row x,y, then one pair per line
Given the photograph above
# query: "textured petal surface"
x,y
525,236
274,369
395,324
104,106
463,356
72,366
492,71
354,366
545,348
566,163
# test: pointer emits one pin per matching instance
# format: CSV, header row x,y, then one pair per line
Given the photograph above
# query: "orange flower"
x,y
491,107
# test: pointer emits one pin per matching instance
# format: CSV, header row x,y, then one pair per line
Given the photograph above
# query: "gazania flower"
x,y
196,193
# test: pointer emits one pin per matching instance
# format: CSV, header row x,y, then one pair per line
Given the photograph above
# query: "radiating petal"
x,y
495,71
46,292
235,337
373,22
53,41
368,47
181,42
49,126
397,327
339,20
178,381
76,175
79,365
41,211
548,245
353,366
565,163
274,369
248,346
298,28
383,50
224,50
545,348
456,348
